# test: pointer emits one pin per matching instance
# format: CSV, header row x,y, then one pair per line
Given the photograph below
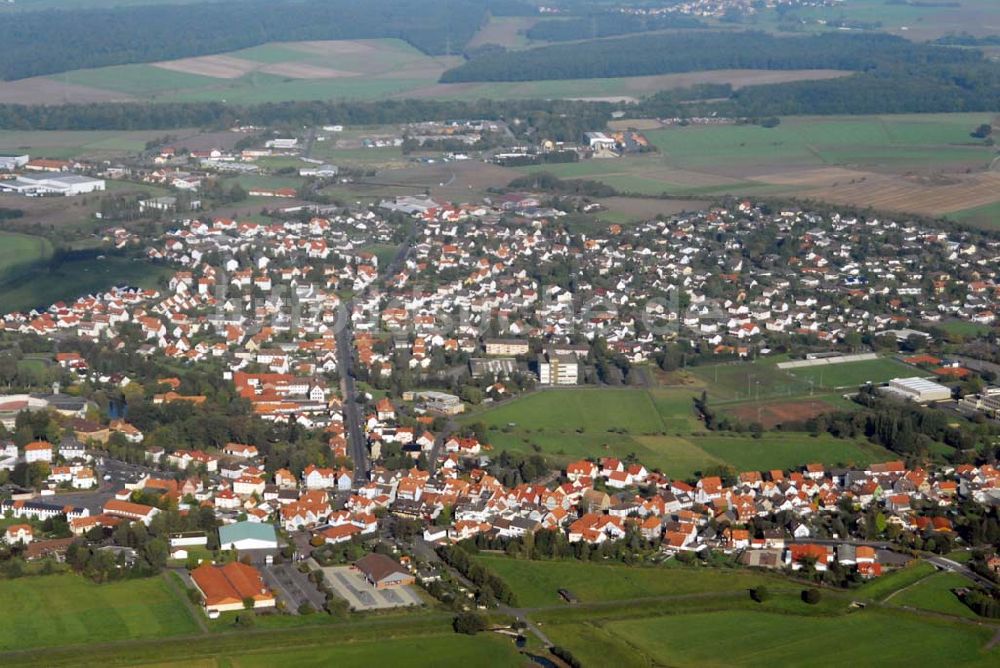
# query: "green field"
x,y
742,638
661,430
789,451
45,611
18,250
41,287
68,144
361,69
855,374
935,594
537,583
983,216
815,156
487,650
747,381
870,141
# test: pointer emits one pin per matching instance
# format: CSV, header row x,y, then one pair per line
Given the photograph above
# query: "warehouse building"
x,y
66,185
919,390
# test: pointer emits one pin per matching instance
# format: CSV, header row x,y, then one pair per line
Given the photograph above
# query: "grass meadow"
x,y
658,426
53,610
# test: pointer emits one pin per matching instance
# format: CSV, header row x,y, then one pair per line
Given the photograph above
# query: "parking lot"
x,y
293,587
352,587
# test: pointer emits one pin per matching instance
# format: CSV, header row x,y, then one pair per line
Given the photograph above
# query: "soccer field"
x,y
855,374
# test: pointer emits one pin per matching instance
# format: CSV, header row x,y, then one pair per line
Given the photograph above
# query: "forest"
x,y
48,42
939,89
558,119
642,55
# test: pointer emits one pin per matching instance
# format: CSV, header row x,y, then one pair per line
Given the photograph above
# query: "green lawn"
x,y
537,583
854,374
881,588
54,610
743,638
789,450
935,594
74,279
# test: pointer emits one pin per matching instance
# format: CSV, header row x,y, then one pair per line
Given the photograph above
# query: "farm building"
x,y
919,390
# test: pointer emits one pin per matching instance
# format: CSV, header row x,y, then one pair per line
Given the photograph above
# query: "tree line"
x,y
559,120
641,55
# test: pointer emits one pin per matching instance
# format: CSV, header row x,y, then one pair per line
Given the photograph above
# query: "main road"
x,y
357,442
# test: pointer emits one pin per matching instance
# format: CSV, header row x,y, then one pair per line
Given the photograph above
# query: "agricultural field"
x,y
747,638
75,278
355,69
980,216
854,374
52,610
78,144
925,164
917,21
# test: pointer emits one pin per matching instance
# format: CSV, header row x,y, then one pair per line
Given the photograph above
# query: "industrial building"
x,y
66,185
919,389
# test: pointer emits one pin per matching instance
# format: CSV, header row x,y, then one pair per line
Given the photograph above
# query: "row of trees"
x,y
698,51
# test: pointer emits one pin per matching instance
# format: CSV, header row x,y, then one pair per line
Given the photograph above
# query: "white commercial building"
x,y
49,184
8,163
919,389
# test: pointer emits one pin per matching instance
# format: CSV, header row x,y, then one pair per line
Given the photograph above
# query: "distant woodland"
x,y
47,42
651,54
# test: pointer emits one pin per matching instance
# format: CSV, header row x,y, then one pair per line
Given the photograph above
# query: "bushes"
x,y
760,594
811,596
566,655
469,623
982,603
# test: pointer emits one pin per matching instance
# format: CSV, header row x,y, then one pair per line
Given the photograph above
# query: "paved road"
x,y
356,440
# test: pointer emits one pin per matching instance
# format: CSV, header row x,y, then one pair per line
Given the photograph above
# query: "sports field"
x,y
52,610
854,374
